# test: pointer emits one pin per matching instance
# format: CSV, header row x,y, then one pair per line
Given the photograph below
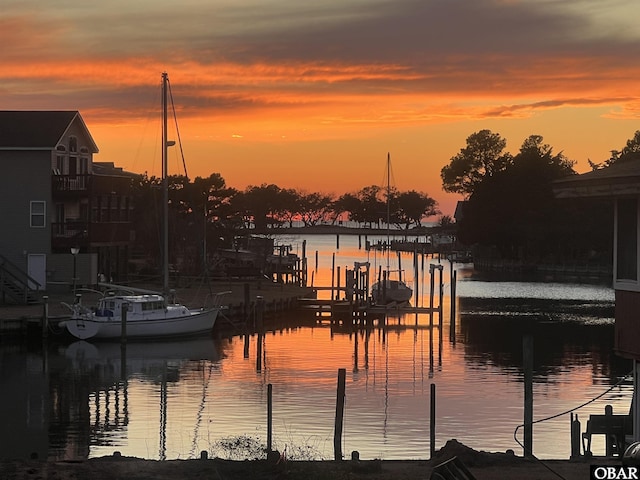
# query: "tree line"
x,y
509,208
207,210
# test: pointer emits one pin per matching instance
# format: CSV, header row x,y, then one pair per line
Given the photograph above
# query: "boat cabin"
x,y
139,305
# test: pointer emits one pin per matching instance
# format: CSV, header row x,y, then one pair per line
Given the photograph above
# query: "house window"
x,y
60,156
627,239
73,167
38,212
73,144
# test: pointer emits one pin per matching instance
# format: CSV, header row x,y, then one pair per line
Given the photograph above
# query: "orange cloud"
x,y
271,93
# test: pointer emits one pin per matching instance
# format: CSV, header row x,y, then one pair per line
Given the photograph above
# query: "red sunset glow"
x,y
313,97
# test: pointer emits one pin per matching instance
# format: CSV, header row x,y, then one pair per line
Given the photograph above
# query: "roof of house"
x,y
110,169
38,130
620,178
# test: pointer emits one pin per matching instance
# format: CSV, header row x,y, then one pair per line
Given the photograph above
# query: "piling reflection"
x,y
90,390
172,399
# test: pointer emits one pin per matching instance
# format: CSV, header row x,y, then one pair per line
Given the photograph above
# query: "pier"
x,y
349,303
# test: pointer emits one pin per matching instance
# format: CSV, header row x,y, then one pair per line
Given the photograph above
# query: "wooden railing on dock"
x,y
349,303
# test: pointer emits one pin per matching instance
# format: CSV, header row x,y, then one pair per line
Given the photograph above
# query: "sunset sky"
x,y
312,95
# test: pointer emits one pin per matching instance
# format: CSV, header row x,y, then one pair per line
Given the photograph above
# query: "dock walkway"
x,y
17,319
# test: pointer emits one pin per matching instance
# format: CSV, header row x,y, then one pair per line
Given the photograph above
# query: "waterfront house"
x,y
620,182
65,218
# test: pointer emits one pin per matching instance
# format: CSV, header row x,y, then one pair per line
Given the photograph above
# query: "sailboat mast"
x,y
388,207
165,187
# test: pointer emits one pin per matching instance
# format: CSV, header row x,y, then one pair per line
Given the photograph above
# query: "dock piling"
x,y
123,322
337,436
269,416
527,365
45,316
452,330
432,421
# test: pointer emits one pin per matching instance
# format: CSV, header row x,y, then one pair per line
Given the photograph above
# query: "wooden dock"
x,y
350,303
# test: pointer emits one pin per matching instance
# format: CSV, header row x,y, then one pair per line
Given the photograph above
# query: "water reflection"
x,y
174,399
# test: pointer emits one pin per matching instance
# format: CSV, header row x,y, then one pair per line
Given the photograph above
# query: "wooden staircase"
x,y
15,284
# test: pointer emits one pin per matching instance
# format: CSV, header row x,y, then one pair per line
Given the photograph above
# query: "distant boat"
x,y
389,290
148,314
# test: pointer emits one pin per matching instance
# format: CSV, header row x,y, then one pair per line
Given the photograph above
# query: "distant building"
x,y
65,218
620,182
461,206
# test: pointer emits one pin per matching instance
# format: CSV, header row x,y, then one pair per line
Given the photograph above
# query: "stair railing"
x,y
11,274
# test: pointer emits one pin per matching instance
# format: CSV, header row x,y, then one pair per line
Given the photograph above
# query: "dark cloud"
x,y
526,48
421,32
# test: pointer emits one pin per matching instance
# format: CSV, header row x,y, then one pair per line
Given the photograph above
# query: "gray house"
x,y
620,182
65,218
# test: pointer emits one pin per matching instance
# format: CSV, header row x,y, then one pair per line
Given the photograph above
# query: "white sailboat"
x,y
390,288
148,314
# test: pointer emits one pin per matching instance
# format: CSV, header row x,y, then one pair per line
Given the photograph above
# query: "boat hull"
x,y
393,291
91,326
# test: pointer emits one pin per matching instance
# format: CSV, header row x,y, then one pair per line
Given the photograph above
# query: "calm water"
x,y
172,400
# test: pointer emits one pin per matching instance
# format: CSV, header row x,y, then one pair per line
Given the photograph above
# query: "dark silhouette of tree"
x,y
482,158
146,214
345,204
292,201
515,209
315,208
266,206
205,214
370,207
446,221
631,151
412,207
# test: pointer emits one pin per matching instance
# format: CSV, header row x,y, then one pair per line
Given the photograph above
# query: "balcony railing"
x,y
84,234
71,183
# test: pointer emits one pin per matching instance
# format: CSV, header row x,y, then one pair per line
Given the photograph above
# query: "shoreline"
x,y
24,320
482,465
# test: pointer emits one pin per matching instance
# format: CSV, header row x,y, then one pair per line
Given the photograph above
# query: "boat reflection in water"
x,y
174,399
104,383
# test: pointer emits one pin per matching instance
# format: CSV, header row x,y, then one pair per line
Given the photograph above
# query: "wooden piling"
x,y
416,283
269,416
123,322
259,352
452,331
303,279
527,365
45,316
441,291
333,274
575,436
246,346
247,302
432,421
340,394
431,286
123,361
260,312
384,284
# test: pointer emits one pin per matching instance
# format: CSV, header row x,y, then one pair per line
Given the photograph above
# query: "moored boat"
x,y
147,316
387,290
